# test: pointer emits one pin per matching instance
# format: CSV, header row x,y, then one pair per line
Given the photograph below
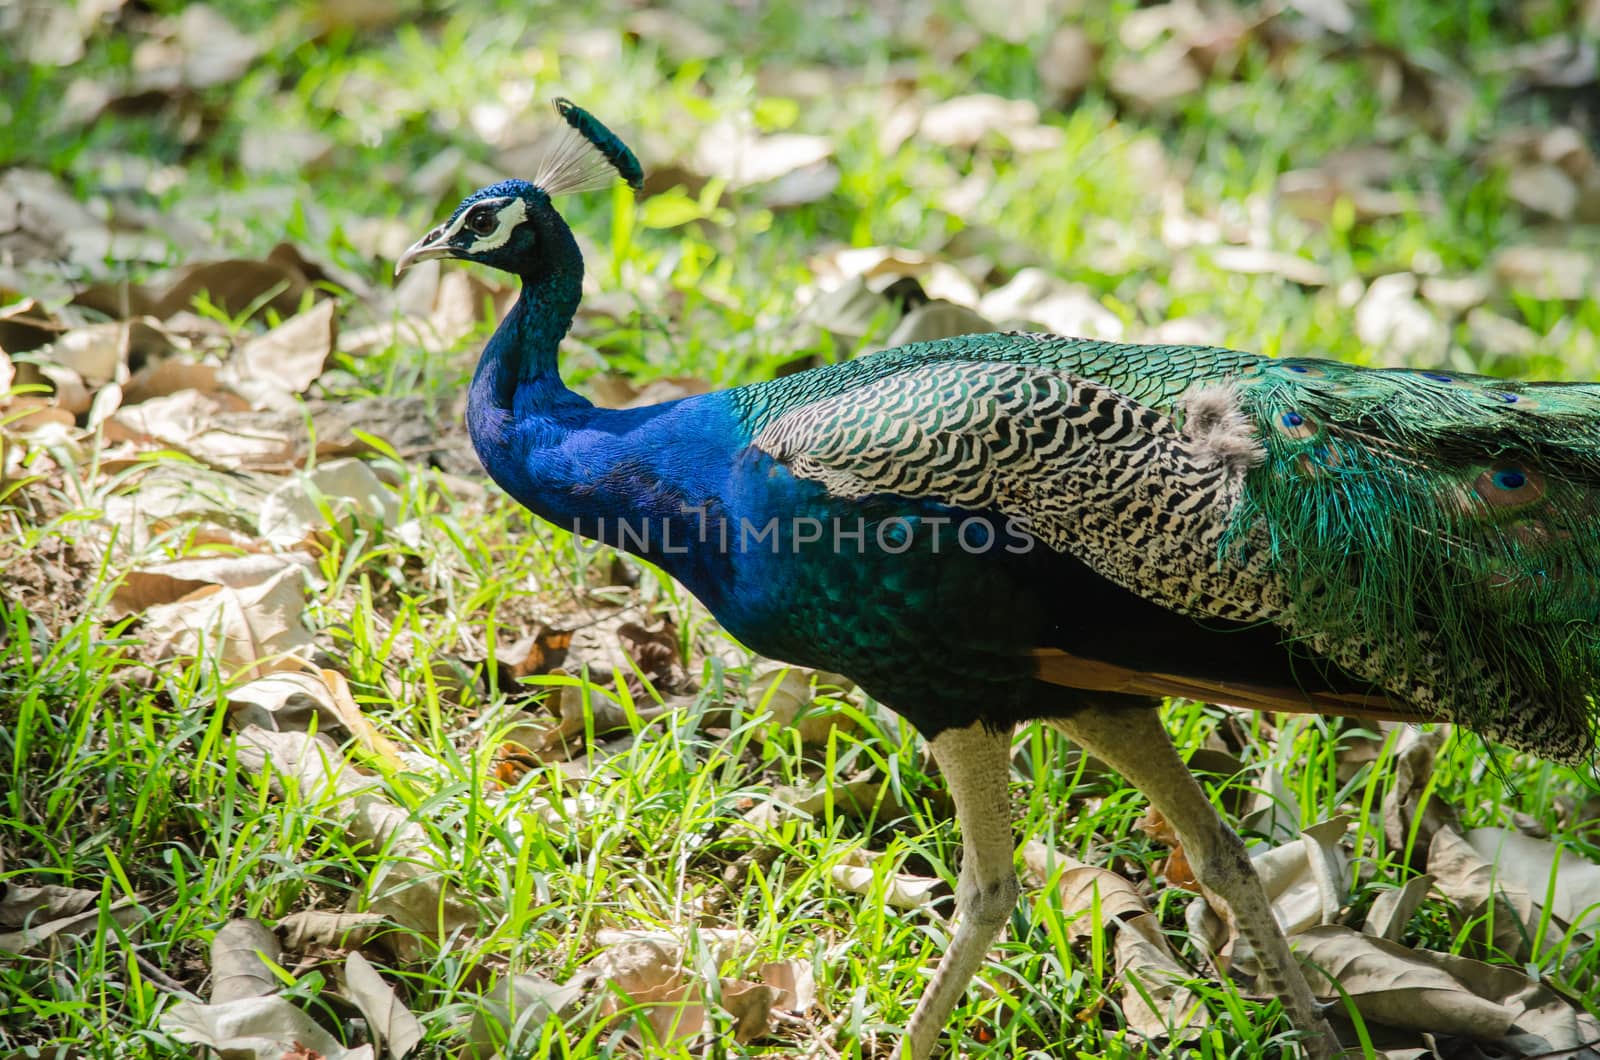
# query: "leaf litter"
x,y
243,465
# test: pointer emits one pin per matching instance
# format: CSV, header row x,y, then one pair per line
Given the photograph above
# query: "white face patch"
x,y
513,213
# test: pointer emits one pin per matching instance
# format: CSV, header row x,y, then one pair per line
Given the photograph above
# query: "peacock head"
x,y
513,225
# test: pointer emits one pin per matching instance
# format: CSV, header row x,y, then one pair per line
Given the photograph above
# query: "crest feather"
x,y
584,156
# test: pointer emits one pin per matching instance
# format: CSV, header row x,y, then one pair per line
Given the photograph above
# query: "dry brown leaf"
x,y
46,222
750,1005
270,369
794,984
675,1012
863,796
1501,336
1545,189
1157,81
1395,985
1155,1001
642,960
1414,755
1393,909
1314,194
21,905
743,158
1547,1025
1457,294
1034,297
1542,868
197,49
1474,886
1273,809
68,391
346,490
964,121
165,583
257,1028
1068,65
938,319
98,353
1259,261
791,696
1079,885
240,952
681,38
902,890
1555,273
367,735
393,1026
313,928
506,1010
37,934
1391,319
252,631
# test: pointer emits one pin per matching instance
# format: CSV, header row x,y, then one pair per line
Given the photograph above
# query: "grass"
x,y
122,776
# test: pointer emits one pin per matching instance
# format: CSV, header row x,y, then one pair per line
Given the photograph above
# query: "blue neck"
x,y
518,371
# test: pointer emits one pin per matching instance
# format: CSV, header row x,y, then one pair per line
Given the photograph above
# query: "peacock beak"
x,y
433,245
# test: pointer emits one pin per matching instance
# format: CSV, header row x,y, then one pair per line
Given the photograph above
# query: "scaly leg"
x,y
1132,741
976,764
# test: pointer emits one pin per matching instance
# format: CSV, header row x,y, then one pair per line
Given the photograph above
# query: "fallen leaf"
x,y
199,48
410,883
19,904
516,1011
1155,1000
1478,891
798,699
1034,297
1389,318
1079,885
393,1026
1259,261
35,934
255,1028
339,493
750,1005
1545,871
1553,273
1393,909
1408,834
240,952
1545,189
165,583
1273,810
311,928
1068,64
1392,984
742,157
855,875
270,369
794,984
1158,81
964,121
253,630
937,319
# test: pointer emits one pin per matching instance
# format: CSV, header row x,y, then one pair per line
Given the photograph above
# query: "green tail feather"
x,y
1447,528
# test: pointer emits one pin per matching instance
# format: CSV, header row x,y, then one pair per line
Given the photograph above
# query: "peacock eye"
x,y
482,222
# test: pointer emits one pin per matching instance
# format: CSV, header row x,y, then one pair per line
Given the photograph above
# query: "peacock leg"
x,y
1132,741
976,764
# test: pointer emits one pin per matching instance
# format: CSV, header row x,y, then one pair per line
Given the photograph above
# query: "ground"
x,y
297,709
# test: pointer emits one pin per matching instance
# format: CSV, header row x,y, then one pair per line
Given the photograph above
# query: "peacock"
x,y
994,528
